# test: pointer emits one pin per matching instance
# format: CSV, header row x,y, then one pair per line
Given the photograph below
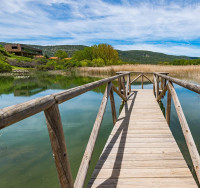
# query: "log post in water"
x,y
58,145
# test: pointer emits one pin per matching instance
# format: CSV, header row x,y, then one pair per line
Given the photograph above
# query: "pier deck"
x,y
141,150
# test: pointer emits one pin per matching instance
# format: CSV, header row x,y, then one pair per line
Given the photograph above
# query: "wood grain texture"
x,y
141,150
183,83
186,132
112,103
58,145
82,172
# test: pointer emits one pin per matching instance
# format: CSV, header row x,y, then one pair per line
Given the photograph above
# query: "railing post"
x,y
142,81
112,102
154,85
129,76
58,145
157,88
168,112
123,85
119,84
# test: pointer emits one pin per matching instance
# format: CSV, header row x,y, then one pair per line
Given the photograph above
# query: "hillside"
x,y
131,56
50,50
148,57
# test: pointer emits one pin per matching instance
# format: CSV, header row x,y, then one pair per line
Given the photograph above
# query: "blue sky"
x,y
167,26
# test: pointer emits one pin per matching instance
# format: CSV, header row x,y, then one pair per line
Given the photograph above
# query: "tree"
x,y
61,54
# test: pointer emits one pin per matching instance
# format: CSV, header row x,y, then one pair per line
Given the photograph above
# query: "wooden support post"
x,y
123,85
58,145
157,88
168,112
119,93
162,83
127,86
154,85
186,132
142,82
147,78
129,77
119,84
82,172
112,103
136,78
162,94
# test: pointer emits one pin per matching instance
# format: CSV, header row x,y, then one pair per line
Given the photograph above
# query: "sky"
x,y
171,27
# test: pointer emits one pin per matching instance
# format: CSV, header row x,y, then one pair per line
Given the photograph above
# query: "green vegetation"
x,y
97,56
182,62
82,56
148,57
4,66
61,54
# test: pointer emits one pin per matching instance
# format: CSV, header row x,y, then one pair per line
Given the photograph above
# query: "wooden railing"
x,y
160,82
50,105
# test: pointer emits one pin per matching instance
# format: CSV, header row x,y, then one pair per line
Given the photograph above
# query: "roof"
x,y
53,58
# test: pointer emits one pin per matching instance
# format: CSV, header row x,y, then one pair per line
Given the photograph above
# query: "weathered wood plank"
x,y
142,146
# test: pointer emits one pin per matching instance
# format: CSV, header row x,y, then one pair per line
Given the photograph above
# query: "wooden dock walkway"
x,y
141,150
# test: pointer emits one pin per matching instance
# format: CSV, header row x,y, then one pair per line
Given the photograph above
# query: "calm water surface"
x,y
25,152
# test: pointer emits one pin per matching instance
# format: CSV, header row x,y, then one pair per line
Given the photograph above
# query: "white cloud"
x,y
87,22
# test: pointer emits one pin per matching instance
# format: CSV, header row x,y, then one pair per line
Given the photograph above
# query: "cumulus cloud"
x,y
127,24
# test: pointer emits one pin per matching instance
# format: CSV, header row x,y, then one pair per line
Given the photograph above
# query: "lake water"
x,y
26,158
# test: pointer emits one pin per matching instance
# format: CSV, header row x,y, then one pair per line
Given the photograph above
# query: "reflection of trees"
x,y
42,81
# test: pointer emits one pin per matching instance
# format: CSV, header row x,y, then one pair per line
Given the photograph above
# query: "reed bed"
x,y
190,71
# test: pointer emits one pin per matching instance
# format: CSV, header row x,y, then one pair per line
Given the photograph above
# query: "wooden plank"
x,y
143,183
82,172
141,146
151,173
58,145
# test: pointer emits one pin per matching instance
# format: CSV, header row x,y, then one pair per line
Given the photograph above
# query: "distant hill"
x,y
148,57
50,50
131,56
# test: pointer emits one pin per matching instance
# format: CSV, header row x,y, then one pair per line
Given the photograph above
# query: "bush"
x,y
99,62
4,66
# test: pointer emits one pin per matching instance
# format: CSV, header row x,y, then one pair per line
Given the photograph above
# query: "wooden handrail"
x,y
185,84
186,131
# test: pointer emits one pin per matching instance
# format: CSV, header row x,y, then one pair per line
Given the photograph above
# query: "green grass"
x,y
17,68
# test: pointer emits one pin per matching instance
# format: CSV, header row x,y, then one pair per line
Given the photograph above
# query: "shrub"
x,y
4,66
99,62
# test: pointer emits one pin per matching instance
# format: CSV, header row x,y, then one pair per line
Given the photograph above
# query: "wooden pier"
x,y
140,151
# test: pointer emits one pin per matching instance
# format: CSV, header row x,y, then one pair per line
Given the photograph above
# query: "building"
x,y
53,58
22,50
